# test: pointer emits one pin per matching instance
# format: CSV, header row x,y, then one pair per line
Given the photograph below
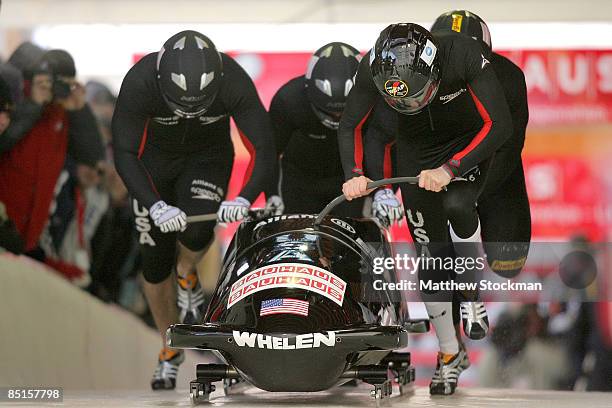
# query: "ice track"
x,y
343,397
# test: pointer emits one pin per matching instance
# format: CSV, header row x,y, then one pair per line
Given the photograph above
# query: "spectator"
x,y
14,79
523,354
78,208
6,106
34,154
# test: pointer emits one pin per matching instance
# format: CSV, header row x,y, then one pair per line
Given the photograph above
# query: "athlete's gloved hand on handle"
x,y
233,210
274,206
167,217
386,207
435,179
356,187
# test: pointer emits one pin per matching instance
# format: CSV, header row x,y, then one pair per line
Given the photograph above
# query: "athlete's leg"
x,y
158,252
460,206
506,224
200,188
428,227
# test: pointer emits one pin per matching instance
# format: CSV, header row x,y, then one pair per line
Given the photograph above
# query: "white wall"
x,y
31,13
54,334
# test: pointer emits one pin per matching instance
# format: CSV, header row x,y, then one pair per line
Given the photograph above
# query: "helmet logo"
x,y
429,53
179,80
457,21
396,88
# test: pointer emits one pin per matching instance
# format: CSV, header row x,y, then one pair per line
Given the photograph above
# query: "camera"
x,y
61,89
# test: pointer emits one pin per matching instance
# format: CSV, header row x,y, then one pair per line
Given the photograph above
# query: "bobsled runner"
x,y
295,310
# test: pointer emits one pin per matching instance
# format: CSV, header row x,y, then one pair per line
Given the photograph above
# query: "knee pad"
x,y
197,236
506,258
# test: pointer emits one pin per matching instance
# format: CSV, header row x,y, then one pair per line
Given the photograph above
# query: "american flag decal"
x,y
287,306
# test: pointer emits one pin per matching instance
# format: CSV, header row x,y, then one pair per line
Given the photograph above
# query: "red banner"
x,y
567,86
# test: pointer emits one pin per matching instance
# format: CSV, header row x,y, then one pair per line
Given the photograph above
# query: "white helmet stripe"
x,y
180,44
159,56
348,52
486,35
326,53
206,79
348,85
324,86
311,64
201,43
179,80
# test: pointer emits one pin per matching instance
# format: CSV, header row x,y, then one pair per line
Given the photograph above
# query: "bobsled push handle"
x,y
254,213
374,184
202,217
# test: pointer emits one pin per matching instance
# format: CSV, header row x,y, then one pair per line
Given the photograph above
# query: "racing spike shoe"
x,y
475,320
189,299
168,363
465,362
448,369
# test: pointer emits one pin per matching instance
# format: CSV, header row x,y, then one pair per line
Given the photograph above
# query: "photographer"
x,y
53,121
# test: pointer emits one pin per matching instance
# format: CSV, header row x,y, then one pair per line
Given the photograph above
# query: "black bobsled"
x,y
295,310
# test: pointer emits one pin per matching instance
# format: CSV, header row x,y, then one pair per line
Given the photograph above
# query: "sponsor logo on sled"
x,y
282,217
301,341
343,224
289,275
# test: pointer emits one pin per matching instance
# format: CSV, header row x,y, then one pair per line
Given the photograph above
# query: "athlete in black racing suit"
x,y
305,113
452,118
503,205
173,150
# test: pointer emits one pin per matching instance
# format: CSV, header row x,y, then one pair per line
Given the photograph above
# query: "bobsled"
x,y
295,309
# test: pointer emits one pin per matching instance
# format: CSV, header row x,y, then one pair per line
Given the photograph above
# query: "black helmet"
x,y
329,78
59,62
189,70
405,67
465,22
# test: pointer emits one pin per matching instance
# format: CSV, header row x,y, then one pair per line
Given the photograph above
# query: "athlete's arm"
x,y
85,142
129,134
359,103
380,131
283,129
488,96
240,97
509,155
